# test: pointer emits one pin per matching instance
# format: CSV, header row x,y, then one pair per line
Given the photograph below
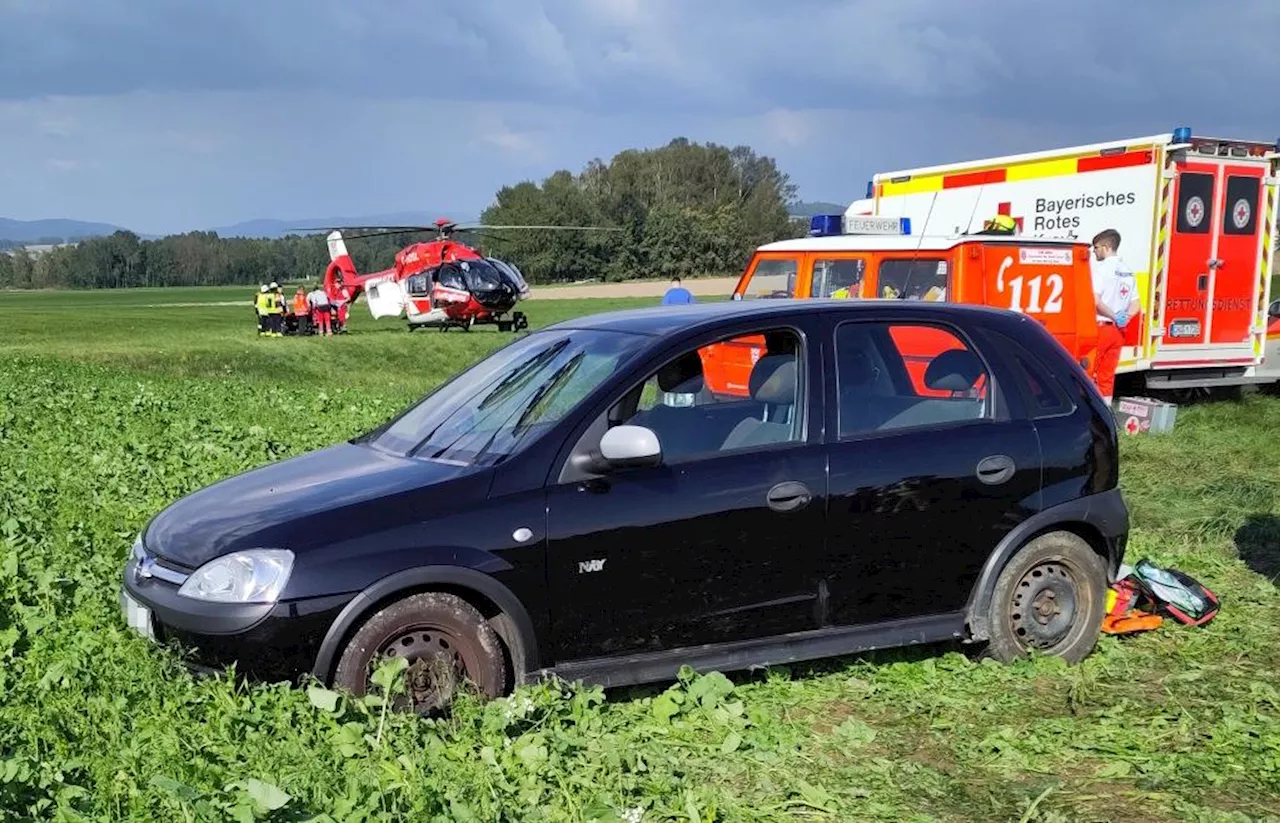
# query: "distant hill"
x,y
810,208
36,231
271,227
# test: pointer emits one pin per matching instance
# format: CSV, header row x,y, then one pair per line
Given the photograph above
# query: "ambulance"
x,y
1196,217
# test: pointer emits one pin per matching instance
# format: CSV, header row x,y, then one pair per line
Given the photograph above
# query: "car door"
x,y
928,469
723,540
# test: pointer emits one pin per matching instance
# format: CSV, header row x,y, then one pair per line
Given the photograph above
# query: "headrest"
x,y
953,370
773,380
856,368
682,376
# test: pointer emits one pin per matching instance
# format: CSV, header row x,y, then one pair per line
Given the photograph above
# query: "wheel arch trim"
x,y
1104,514
521,640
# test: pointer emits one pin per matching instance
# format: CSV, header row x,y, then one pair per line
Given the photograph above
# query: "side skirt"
x,y
649,667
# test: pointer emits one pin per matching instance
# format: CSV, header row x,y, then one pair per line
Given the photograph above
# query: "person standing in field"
x,y
318,302
677,295
260,306
1115,292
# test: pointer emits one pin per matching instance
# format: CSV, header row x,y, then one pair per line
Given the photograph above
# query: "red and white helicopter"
x,y
441,283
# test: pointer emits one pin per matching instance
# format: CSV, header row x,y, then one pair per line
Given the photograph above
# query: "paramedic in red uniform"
x,y
1115,293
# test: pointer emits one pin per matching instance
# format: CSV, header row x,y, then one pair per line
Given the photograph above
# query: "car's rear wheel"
x,y
446,642
1049,599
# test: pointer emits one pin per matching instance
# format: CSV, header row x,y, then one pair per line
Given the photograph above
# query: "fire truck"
x,y
1196,218
852,257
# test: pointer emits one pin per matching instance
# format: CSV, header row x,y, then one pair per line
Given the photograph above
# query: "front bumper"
x,y
266,641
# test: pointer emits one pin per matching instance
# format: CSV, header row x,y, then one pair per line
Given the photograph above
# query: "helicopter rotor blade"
x,y
487,227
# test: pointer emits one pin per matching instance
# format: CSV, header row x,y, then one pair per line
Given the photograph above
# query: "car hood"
x,y
296,503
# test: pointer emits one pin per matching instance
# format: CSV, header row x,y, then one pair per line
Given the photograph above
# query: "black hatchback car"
x,y
581,503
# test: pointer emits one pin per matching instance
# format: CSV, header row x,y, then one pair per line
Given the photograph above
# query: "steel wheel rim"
x,y
439,662
1044,606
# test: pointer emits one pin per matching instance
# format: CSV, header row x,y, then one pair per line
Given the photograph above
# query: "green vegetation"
x,y
109,410
685,208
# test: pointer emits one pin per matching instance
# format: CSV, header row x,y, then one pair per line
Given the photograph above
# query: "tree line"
x,y
683,209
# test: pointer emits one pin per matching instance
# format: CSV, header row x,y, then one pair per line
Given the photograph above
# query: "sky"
x,y
166,116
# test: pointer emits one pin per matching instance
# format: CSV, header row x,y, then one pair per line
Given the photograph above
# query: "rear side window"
x,y
906,375
1241,205
1040,389
920,278
1195,199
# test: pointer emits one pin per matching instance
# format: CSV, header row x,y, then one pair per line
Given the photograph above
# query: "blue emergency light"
x,y
830,225
1182,134
826,225
871,189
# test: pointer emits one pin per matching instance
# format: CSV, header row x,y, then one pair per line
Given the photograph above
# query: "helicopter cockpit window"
x,y
451,277
469,275
419,286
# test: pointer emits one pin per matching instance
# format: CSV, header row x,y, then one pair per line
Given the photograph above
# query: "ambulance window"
x,y
1241,205
1195,198
773,277
838,278
920,278
1040,390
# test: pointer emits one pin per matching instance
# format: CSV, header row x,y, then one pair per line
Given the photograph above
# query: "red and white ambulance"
x,y
1197,222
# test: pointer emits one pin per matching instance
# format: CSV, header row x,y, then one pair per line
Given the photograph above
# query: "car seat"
x,y
678,427
773,384
857,377
956,371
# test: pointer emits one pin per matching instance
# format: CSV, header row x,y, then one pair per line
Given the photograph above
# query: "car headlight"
x,y
252,576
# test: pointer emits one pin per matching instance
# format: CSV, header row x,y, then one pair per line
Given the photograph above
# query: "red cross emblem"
x,y
1131,425
1195,211
1007,209
1124,291
1241,213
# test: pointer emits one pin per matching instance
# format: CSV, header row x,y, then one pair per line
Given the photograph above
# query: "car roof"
x,y
663,320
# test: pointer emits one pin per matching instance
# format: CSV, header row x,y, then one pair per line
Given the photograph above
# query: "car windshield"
x,y
486,413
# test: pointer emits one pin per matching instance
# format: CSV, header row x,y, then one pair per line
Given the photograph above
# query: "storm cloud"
x,y
167,116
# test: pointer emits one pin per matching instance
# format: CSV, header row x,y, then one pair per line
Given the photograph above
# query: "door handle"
x,y
995,469
790,496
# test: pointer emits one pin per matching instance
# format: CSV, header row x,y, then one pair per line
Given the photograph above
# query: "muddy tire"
x,y
1050,598
447,642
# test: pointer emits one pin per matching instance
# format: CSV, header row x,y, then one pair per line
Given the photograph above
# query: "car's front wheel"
x,y
1050,598
445,641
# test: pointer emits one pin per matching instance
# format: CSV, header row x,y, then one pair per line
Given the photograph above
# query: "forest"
x,y
684,209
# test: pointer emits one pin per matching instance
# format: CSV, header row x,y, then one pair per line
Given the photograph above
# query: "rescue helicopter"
x,y
442,283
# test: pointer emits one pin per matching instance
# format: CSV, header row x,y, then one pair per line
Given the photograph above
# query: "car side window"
x,y
906,375
838,277
737,393
919,278
1044,394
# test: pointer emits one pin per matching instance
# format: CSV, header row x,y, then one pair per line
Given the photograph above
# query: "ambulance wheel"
x,y
1049,599
446,642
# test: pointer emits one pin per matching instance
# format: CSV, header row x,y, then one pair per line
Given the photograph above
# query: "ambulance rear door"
x,y
1215,278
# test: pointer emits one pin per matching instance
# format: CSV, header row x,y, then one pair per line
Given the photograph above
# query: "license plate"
x,y
1184,328
137,616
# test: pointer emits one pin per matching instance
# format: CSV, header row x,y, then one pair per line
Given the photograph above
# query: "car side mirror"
x,y
630,447
1274,309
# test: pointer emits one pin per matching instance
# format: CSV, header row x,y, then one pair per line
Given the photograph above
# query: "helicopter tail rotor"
x,y
337,246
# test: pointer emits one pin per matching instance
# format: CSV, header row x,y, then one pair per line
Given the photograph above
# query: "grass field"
x,y
111,407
